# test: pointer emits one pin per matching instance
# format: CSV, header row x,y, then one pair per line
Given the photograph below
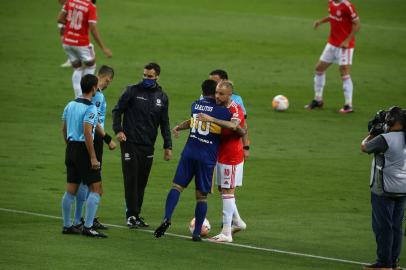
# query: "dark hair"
x,y
88,82
221,73
106,70
153,66
395,115
209,87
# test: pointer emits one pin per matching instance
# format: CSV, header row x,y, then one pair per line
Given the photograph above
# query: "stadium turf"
x,y
306,182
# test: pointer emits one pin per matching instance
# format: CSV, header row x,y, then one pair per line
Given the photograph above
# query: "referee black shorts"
x,y
78,165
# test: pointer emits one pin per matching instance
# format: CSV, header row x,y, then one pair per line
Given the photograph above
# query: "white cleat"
x,y
238,226
67,64
221,238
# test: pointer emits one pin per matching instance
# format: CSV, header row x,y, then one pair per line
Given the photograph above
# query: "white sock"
x,y
228,209
76,77
348,89
89,70
319,82
236,214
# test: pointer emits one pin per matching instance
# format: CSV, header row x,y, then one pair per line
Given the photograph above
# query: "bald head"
x,y
224,91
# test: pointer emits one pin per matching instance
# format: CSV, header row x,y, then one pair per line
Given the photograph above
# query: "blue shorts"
x,y
189,168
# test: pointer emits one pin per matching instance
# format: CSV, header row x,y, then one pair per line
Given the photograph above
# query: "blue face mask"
x,y
148,83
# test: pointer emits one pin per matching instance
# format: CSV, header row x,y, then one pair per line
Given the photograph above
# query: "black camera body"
x,y
377,125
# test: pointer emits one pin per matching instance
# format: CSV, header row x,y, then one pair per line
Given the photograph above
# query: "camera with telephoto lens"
x,y
383,118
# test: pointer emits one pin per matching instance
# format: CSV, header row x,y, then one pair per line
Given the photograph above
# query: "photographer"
x,y
388,185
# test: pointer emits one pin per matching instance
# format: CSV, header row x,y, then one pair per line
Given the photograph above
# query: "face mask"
x,y
148,83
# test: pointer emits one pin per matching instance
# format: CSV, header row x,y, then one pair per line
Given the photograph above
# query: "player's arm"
x,y
61,22
106,137
87,130
317,23
356,26
64,129
118,110
96,36
183,126
246,141
234,124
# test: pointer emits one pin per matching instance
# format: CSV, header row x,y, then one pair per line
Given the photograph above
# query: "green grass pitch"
x,y
306,182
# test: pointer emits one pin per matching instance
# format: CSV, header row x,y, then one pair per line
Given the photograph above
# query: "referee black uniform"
x,y
144,109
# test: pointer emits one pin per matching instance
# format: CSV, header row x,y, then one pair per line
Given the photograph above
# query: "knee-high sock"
x,y
348,89
91,208
228,209
200,215
81,197
236,214
319,82
89,70
67,201
76,77
171,202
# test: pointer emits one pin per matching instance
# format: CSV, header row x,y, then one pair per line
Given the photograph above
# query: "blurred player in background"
x,y
76,19
344,24
219,75
198,158
230,163
105,76
67,63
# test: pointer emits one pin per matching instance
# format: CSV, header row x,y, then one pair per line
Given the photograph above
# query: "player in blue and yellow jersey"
x,y
198,158
79,124
105,76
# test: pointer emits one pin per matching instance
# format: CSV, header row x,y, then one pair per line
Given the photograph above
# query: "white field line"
x,y
185,236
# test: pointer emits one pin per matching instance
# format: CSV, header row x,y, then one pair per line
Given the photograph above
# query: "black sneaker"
x,y
132,222
98,226
141,222
92,233
377,266
79,226
196,238
162,228
71,230
314,104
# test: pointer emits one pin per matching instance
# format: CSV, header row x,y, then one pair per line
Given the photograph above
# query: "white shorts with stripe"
x,y
336,55
80,53
229,176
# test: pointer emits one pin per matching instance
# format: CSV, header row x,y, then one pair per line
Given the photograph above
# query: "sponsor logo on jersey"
x,y
97,103
142,98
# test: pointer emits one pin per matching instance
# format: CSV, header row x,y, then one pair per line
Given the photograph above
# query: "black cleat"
x,y
314,104
132,222
71,230
196,238
79,226
162,228
141,222
98,226
92,233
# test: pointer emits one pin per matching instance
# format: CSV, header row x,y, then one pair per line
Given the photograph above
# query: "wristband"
x,y
107,138
246,147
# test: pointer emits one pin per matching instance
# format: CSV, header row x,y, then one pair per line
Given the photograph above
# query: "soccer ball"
x,y
205,227
280,103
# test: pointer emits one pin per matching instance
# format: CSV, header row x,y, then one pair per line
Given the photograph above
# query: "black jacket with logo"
x,y
144,109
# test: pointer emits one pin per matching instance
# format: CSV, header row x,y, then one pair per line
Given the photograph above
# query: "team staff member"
x,y
79,122
388,189
145,108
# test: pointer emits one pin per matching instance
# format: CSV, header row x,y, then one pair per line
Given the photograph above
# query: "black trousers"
x,y
136,163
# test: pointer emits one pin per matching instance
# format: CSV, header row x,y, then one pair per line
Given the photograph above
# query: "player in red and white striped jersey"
x,y
230,163
76,19
344,24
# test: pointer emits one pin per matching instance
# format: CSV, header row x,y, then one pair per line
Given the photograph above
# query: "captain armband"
x,y
107,138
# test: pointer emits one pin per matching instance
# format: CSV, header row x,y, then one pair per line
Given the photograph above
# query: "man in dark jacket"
x,y
145,108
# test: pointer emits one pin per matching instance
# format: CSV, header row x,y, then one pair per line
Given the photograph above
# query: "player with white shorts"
x,y
344,24
230,163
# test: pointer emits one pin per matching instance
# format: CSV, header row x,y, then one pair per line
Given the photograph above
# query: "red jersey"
x,y
231,149
341,16
79,14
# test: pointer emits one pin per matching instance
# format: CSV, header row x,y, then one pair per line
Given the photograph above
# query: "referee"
x,y
79,122
144,107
